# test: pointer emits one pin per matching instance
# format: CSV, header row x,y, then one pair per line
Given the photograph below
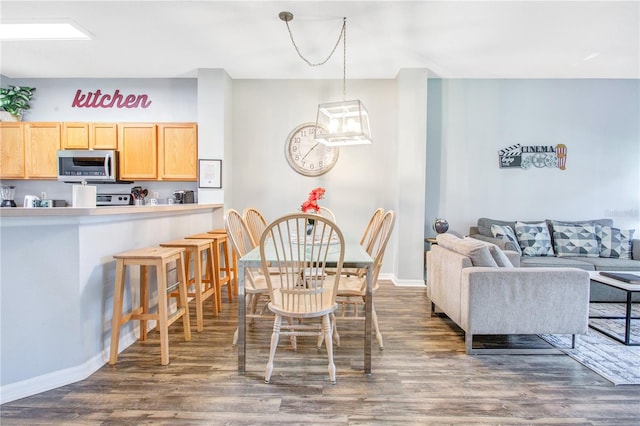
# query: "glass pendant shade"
x,y
343,123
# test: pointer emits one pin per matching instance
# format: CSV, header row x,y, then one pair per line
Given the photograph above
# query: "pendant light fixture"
x,y
337,123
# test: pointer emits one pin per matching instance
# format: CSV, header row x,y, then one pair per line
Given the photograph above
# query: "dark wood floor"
x,y
422,377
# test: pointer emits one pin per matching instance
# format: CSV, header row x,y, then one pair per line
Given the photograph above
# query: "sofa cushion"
x,y
615,242
575,240
484,225
609,263
476,250
534,239
558,262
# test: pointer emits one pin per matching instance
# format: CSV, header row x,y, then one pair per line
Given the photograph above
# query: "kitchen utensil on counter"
x,y
31,201
8,194
138,195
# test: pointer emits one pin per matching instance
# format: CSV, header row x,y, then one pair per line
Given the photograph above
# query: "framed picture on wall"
x,y
210,174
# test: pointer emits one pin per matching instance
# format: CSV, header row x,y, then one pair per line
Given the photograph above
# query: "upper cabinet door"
x,y
75,135
178,151
103,135
11,150
42,141
138,151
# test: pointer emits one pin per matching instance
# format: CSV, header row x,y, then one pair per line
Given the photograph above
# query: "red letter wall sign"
x,y
98,99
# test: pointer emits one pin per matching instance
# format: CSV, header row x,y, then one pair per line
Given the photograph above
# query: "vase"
x,y
310,223
6,116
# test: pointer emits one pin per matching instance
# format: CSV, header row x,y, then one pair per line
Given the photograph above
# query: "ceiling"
x,y
453,39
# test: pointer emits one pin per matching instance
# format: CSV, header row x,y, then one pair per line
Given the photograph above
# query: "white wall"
x,y
470,120
363,179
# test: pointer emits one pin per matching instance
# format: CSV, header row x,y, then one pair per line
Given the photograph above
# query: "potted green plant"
x,y
14,101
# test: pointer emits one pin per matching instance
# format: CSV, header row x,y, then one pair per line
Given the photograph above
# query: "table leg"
x,y
368,305
627,326
242,342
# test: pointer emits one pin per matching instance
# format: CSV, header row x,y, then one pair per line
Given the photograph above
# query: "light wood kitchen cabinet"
x,y
75,136
138,146
12,156
42,141
89,136
178,151
103,136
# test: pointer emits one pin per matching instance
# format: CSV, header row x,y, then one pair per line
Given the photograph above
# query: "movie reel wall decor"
x,y
538,156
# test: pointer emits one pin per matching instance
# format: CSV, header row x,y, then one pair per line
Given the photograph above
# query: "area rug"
x,y
612,360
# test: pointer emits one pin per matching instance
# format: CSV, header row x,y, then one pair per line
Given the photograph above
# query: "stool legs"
x,y
118,295
145,258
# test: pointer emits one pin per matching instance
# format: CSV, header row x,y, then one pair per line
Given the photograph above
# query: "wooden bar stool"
x,y
223,275
159,257
233,267
202,290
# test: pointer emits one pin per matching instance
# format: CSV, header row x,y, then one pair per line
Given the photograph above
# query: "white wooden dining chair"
x,y
352,288
372,226
255,283
256,223
325,212
367,238
304,292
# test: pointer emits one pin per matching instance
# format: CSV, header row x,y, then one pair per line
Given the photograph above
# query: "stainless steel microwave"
x,y
97,166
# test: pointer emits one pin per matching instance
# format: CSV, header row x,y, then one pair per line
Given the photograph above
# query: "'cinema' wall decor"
x,y
524,157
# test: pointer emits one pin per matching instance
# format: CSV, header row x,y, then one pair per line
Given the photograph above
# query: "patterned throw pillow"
x,y
534,239
614,242
575,240
506,233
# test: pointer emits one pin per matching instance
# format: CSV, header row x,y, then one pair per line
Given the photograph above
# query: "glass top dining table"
x,y
355,256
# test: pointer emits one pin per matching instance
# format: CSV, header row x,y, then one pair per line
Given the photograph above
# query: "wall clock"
x,y
306,155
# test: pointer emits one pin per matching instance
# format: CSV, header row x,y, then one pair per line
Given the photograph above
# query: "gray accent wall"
x,y
469,121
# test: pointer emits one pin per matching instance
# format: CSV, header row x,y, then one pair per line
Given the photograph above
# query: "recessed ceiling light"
x,y
42,31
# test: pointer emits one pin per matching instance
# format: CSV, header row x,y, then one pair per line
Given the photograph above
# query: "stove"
x,y
113,199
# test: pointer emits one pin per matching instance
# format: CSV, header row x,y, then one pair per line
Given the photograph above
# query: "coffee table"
x,y
629,289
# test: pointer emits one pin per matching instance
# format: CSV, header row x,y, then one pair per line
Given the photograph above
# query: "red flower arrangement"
x,y
312,202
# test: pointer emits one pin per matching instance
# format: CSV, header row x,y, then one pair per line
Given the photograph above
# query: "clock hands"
x,y
309,152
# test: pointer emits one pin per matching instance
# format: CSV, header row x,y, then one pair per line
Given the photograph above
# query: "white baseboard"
x,y
45,382
401,283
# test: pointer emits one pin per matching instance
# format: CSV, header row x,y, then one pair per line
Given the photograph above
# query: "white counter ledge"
x,y
56,280
101,211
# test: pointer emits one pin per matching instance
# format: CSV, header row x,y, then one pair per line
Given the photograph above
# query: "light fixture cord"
x,y
343,37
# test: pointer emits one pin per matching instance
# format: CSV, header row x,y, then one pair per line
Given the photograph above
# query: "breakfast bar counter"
x,y
56,285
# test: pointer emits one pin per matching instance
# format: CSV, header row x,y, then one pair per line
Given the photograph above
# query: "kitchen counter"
x,y
101,211
56,279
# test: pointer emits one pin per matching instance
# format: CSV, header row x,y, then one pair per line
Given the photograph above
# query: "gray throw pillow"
x,y
575,240
477,251
534,239
614,242
505,232
499,257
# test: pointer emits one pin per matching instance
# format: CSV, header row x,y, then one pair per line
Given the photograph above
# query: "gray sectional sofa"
x,y
585,257
483,232
483,294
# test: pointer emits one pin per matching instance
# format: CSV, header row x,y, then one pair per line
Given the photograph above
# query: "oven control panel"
x,y
113,199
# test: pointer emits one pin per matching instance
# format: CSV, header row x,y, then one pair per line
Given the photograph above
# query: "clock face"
x,y
306,155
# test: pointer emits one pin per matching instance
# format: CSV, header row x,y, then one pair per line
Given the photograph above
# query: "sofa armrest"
x,y
635,249
524,300
503,244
